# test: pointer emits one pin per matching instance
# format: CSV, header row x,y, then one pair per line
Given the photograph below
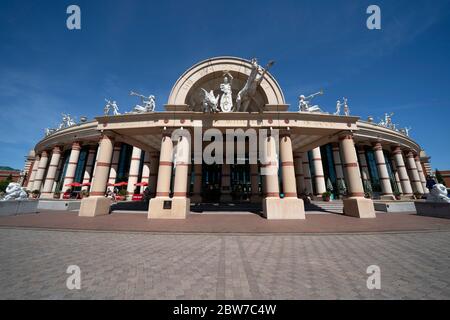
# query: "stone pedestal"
x,y
359,207
169,208
94,206
387,197
283,209
433,209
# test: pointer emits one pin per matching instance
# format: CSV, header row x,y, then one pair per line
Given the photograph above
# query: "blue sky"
x,y
45,69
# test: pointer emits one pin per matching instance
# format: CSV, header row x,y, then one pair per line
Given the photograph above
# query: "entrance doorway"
x,y
240,182
211,182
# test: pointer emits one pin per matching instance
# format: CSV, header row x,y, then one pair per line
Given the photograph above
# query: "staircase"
x,y
240,207
335,206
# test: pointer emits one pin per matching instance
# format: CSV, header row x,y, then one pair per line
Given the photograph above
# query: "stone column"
x,y
364,167
423,180
47,191
319,177
33,173
307,173
197,197
338,165
226,183
38,179
254,180
97,204
299,175
397,177
146,170
182,168
383,173
356,205
290,207
133,174
163,207
413,173
72,165
114,163
89,167
287,164
165,168
270,166
404,179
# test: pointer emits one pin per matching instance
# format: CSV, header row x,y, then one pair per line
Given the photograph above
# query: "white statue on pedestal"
x,y
405,131
438,194
15,192
111,106
210,102
255,78
304,103
338,108
346,107
49,131
148,103
226,101
67,121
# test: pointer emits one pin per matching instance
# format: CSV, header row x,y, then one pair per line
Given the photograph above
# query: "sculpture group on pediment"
x,y
148,103
223,102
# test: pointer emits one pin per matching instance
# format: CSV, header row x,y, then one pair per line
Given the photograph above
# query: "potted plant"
x,y
84,194
330,187
326,196
417,195
56,195
342,188
397,195
367,189
305,196
122,194
35,194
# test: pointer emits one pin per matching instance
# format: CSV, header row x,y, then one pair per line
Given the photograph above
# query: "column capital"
x,y
377,146
56,149
76,145
396,150
346,136
409,154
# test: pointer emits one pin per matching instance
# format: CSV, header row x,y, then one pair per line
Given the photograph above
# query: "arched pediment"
x,y
209,74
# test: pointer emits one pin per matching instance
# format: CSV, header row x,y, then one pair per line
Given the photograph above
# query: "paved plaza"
x,y
125,265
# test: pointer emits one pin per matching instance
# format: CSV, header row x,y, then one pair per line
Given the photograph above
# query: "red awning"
x,y
120,184
141,184
87,184
73,184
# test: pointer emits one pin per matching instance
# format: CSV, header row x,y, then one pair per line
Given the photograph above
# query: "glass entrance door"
x,y
211,182
240,182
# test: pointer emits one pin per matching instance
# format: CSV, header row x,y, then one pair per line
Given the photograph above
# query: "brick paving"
x,y
125,265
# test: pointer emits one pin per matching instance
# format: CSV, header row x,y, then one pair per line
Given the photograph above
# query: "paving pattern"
x,y
124,265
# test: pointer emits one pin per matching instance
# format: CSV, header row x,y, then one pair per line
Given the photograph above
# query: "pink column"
x,y
72,165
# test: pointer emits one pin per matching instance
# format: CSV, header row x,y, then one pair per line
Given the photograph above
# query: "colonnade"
x,y
300,173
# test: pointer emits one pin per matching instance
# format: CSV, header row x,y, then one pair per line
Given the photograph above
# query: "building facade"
x,y
280,157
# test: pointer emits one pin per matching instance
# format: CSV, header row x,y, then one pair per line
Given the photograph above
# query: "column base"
x,y
283,209
46,195
387,197
359,208
169,208
94,206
